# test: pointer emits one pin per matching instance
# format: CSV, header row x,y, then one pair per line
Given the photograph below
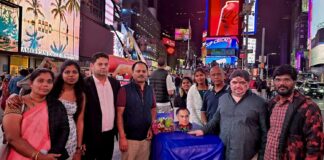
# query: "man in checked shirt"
x,y
296,125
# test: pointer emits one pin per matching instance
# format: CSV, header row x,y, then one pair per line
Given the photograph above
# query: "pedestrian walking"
x,y
13,88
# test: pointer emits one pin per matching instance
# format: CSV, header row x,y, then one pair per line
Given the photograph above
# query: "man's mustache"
x,y
283,87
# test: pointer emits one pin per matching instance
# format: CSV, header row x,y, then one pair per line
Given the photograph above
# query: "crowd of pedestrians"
x,y
63,115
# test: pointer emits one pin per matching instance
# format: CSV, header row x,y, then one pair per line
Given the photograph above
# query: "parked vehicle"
x,y
321,89
313,90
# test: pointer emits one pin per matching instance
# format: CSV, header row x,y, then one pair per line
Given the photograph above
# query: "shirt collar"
x,y
222,90
97,81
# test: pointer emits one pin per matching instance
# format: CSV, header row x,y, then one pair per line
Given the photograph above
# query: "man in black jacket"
x,y
100,116
296,124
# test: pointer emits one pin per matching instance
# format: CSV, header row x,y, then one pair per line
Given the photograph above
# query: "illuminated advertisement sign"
x,y
221,52
316,21
317,56
223,17
9,27
221,42
252,47
304,6
252,19
221,59
51,28
109,12
182,34
168,42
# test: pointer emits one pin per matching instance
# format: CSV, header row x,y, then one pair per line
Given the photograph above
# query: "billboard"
x,y
317,56
252,47
223,17
51,28
10,25
252,19
221,52
182,34
304,6
222,59
168,42
316,23
221,42
109,12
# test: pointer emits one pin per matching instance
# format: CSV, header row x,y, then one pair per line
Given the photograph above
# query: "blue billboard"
x,y
222,43
231,60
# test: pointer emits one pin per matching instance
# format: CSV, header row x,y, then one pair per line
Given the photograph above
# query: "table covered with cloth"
x,y
182,146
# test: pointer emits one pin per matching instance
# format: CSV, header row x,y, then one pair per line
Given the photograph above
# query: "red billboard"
x,y
224,17
168,42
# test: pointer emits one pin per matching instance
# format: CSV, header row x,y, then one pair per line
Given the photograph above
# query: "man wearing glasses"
x,y
240,120
296,125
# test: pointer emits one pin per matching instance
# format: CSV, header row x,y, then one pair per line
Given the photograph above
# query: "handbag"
x,y
4,146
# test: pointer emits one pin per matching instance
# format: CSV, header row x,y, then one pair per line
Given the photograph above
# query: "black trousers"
x,y
102,151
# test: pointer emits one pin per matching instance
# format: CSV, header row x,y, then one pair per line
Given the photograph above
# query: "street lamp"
x,y
268,61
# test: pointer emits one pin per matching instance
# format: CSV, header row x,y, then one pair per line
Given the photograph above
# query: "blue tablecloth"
x,y
182,146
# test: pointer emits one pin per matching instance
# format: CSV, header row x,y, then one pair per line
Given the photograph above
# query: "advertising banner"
x,y
221,52
168,42
9,27
182,34
252,19
221,42
317,55
51,28
251,47
109,12
223,17
316,21
221,59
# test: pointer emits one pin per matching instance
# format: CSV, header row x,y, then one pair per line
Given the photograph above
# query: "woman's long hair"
x,y
78,86
181,91
202,71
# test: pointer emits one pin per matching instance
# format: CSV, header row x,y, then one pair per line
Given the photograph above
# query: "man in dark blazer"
x,y
100,116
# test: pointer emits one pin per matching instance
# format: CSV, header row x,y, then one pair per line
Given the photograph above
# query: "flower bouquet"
x,y
164,123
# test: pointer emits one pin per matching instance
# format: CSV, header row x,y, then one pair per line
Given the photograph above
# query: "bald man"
x,y
210,100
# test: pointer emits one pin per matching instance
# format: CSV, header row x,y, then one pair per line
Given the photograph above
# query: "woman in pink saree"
x,y
36,126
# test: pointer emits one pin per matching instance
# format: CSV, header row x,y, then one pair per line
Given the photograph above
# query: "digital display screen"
x,y
51,28
316,23
9,27
223,17
182,34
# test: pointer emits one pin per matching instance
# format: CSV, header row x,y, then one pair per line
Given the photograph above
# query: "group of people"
x,y
67,116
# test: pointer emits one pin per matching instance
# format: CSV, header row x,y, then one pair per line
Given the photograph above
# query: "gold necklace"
x,y
34,100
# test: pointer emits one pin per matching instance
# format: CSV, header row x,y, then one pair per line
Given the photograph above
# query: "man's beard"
x,y
285,93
